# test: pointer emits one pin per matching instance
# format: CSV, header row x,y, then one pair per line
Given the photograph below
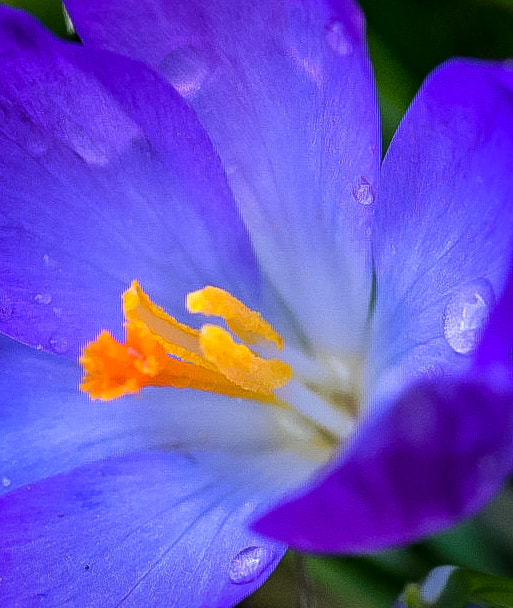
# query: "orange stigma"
x,y
160,351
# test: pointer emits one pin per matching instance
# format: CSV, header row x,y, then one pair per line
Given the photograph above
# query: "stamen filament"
x,y
335,423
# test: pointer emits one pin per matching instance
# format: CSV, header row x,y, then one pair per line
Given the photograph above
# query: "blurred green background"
x,y
407,39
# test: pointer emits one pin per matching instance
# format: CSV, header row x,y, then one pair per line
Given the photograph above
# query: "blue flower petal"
x,y
495,353
434,456
439,454
105,176
286,93
151,529
444,224
48,426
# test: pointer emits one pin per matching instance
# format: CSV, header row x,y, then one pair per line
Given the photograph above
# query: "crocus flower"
x,y
357,394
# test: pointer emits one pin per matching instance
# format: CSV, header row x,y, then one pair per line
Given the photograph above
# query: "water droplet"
x,y
46,259
250,563
6,305
6,482
338,38
362,192
92,150
43,298
59,344
466,315
185,68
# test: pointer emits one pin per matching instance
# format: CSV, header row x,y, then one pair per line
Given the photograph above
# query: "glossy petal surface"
x,y
285,91
153,529
106,176
444,223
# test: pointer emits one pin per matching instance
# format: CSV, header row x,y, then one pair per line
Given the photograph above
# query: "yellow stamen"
x,y
246,324
178,339
239,364
160,351
114,369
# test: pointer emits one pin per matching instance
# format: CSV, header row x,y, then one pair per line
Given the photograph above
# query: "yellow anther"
x,y
113,369
238,363
246,324
178,339
160,351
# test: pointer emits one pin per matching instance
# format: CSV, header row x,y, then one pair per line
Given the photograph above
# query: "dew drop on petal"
x,y
337,38
250,563
362,192
185,69
466,314
59,344
43,298
49,262
92,152
6,482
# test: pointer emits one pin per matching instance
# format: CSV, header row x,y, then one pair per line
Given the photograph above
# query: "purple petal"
x,y
444,223
441,449
151,529
105,176
48,426
287,95
435,457
496,348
